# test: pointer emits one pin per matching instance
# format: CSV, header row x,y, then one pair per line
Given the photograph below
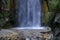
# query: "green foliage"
x,y
54,8
48,18
53,5
4,19
5,15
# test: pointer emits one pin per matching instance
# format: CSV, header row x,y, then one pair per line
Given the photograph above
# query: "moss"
x,y
52,5
48,17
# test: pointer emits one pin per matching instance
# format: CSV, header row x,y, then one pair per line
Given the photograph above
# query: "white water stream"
x,y
29,13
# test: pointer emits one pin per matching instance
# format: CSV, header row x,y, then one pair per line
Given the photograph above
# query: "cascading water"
x,y
29,13
29,17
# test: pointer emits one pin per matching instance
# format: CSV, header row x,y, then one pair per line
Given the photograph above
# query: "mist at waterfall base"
x,y
28,14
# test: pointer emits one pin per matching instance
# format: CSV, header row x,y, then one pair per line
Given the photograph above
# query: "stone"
x,y
6,34
23,34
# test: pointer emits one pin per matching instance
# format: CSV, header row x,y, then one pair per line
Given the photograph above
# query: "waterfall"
x,y
28,13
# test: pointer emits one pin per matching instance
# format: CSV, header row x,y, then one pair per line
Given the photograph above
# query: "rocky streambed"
x,y
26,34
6,34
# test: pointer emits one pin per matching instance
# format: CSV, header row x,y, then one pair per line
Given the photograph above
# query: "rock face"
x,y
57,18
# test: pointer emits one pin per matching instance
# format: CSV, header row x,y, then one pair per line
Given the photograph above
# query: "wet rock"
x,y
13,34
6,34
57,18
